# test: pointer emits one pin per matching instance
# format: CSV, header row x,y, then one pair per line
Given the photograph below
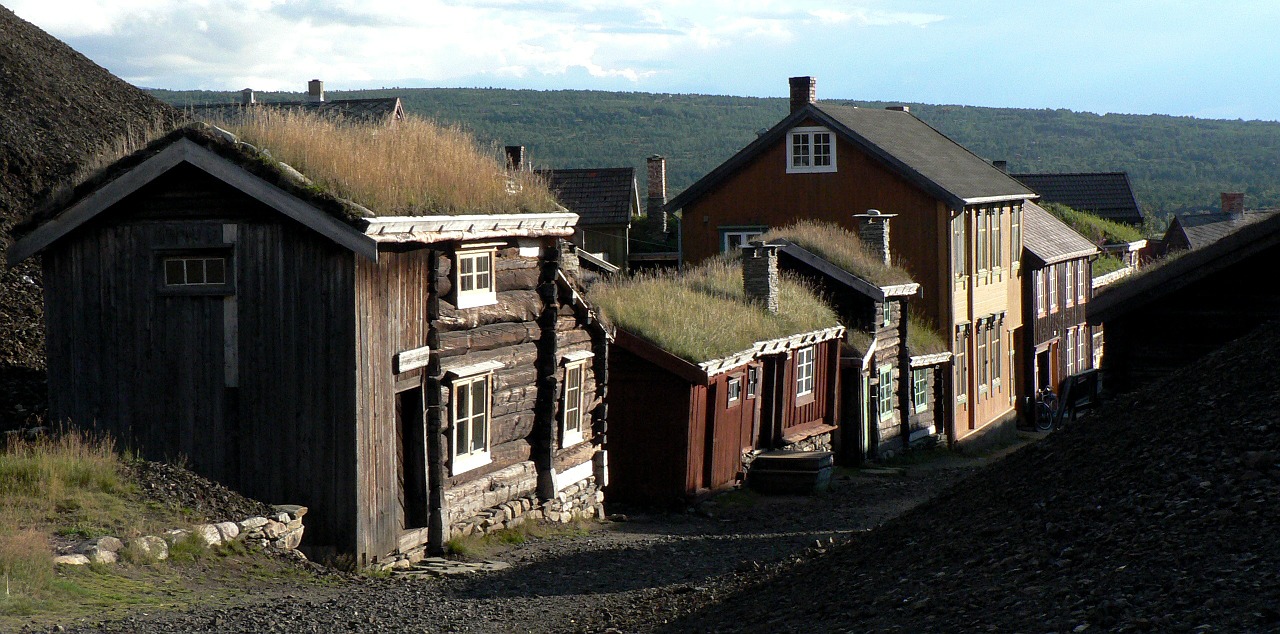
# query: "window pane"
x,y
175,272
482,282
195,271
482,263
462,402
215,271
466,265
479,398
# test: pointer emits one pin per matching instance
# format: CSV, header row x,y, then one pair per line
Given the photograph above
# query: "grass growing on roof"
x,y
1096,230
414,168
704,315
922,338
842,248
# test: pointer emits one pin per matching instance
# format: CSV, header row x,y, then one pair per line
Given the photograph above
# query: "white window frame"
x,y
473,457
1038,280
1069,298
1051,279
884,391
1071,351
572,407
747,234
479,294
1082,282
733,391
997,359
886,313
805,366
920,389
806,162
962,359
1015,236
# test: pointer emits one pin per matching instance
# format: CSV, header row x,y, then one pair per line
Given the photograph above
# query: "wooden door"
x,y
411,460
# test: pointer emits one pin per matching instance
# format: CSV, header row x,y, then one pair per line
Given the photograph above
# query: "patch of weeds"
x,y
26,569
737,499
507,536
190,549
464,546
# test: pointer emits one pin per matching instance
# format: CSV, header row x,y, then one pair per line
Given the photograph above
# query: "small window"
x,y
753,382
1069,298
470,407
1015,237
959,248
733,239
475,279
997,245
811,149
886,310
571,430
195,271
1051,283
1082,281
884,391
1070,352
804,371
734,390
961,363
920,389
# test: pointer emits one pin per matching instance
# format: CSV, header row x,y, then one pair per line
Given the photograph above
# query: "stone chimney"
x,y
760,274
315,90
804,91
1233,204
873,229
898,108
657,177
246,97
516,158
1003,166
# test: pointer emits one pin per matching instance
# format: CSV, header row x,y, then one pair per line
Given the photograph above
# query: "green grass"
x,y
842,248
922,338
476,546
704,314
1096,230
1107,264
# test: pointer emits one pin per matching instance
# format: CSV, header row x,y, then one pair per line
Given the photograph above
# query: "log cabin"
x,y
1058,340
890,389
958,233
408,377
710,369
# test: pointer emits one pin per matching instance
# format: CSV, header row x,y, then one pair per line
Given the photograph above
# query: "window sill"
x,y
570,438
476,299
469,462
811,170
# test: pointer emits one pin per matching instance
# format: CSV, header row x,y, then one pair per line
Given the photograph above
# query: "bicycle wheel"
x,y
1044,417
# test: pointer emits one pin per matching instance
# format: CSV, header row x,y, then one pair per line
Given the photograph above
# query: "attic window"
x,y
201,271
474,278
195,271
810,149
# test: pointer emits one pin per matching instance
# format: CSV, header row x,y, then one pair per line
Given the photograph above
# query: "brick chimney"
x,y
760,274
657,183
516,158
898,108
246,97
315,90
804,91
1003,166
873,230
1233,204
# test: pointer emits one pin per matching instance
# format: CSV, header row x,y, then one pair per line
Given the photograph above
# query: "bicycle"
x,y
1046,409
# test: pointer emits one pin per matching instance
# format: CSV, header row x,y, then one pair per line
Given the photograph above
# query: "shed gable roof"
x,y
600,196
905,144
1050,239
1104,194
1203,229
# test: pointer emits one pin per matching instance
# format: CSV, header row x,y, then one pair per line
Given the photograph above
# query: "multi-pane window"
x,y
811,150
1015,235
997,246
983,245
1069,298
961,362
920,389
475,279
1082,355
571,432
733,239
997,361
1070,352
959,253
886,310
983,361
1038,283
195,271
884,391
1051,284
804,371
753,381
1082,281
734,390
470,422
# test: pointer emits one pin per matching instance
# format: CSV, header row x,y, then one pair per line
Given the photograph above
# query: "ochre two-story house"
x,y
958,227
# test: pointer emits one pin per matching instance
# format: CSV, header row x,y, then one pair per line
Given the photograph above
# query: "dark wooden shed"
x,y
407,378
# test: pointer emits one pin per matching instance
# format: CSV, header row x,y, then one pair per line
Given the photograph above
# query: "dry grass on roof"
x,y
922,338
414,168
703,314
842,248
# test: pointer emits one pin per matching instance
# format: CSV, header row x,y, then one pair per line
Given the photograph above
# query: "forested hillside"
x,y
1175,163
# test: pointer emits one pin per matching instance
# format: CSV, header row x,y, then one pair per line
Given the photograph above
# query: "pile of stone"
x,y
282,531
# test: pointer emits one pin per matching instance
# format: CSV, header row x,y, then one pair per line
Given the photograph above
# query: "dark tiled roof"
x,y
1050,239
375,110
1105,194
1204,229
605,196
907,145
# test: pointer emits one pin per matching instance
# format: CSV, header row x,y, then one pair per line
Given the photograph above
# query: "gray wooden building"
x,y
409,379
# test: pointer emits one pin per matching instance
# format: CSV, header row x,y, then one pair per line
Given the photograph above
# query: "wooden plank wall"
x,y
151,367
648,439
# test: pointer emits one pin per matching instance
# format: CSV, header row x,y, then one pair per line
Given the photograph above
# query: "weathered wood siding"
x,y
650,415
253,388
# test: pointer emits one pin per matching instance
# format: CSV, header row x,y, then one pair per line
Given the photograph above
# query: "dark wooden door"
x,y
411,460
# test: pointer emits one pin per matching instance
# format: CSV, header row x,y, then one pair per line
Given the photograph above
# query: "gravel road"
x,y
634,574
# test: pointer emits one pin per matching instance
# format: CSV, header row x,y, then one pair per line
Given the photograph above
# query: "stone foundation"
x,y
817,442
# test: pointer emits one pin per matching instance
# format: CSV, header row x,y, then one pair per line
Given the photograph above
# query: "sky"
x,y
1210,59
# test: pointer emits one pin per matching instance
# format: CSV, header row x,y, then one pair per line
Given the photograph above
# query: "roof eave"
x,y
433,229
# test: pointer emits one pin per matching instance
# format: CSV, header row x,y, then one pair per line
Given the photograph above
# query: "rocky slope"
x,y
57,109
